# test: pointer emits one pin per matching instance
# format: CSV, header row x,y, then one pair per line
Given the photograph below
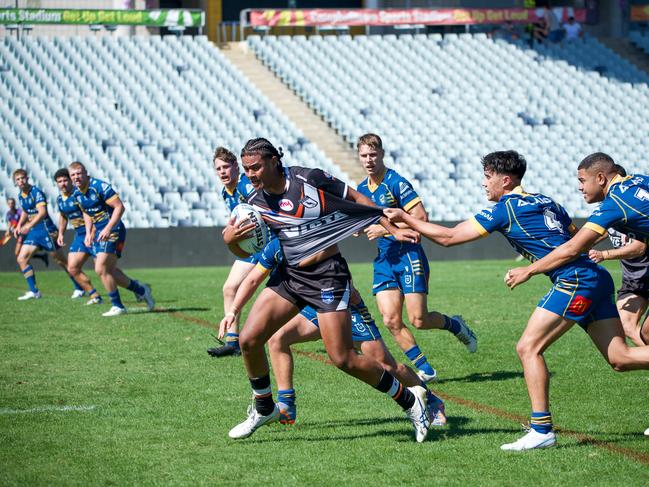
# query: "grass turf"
x,y
158,409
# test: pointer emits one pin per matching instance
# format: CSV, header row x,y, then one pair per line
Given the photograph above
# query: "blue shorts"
x,y
406,271
584,295
114,244
363,327
78,244
41,238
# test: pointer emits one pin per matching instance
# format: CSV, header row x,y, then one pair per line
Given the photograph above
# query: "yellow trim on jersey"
x,y
481,230
572,295
261,267
412,204
619,201
617,179
595,228
41,203
373,187
233,190
572,228
112,198
518,190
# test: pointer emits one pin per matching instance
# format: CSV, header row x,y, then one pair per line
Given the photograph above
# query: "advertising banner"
x,y
151,18
640,13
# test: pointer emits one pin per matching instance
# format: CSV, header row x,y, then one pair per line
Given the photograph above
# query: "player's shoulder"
x,y
620,186
245,186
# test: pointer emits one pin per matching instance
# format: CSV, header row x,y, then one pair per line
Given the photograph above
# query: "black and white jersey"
x,y
632,269
312,213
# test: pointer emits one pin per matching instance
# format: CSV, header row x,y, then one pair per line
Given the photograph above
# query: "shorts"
x,y
114,244
78,245
406,271
325,286
585,295
41,238
363,327
637,287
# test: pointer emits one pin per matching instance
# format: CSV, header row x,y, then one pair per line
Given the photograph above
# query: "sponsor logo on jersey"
x,y
487,214
327,295
286,205
309,202
312,225
579,305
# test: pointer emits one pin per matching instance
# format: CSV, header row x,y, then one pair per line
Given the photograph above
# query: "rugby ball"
x,y
258,237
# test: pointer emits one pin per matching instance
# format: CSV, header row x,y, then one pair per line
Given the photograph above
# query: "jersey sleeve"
x,y
107,192
490,220
270,256
326,182
407,198
607,215
39,198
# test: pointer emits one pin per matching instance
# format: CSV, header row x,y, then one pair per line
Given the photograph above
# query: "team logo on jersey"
x,y
286,205
309,202
579,305
327,295
249,187
382,199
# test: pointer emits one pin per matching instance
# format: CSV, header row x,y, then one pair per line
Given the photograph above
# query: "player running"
x,y
309,211
78,253
304,327
235,190
582,291
105,235
401,268
36,231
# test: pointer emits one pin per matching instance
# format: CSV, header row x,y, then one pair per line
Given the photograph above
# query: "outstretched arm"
x,y
635,248
243,295
447,237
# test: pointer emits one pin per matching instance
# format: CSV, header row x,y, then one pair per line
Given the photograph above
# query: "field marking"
x,y
48,409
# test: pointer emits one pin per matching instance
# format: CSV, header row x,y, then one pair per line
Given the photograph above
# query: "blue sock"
x,y
287,396
30,276
115,300
94,294
452,325
419,360
541,422
136,287
232,339
75,284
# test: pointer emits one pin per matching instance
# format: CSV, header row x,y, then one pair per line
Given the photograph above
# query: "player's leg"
x,y
76,260
105,264
59,257
543,329
269,312
632,308
608,337
23,259
298,330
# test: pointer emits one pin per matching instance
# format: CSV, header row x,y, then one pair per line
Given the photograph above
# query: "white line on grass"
x,y
47,409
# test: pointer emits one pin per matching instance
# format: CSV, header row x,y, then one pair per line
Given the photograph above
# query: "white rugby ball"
x,y
258,237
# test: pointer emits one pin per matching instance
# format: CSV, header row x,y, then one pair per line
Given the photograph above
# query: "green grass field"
x,y
135,400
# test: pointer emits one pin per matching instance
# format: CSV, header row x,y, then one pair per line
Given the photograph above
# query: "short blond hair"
x,y
17,172
371,140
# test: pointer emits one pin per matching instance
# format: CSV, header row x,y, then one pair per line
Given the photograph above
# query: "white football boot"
x,y
466,335
426,378
30,295
77,293
418,413
531,441
253,422
148,297
115,311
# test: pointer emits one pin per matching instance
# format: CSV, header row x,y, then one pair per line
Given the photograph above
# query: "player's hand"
x,y
596,255
394,214
104,235
374,231
235,232
517,276
407,235
59,240
88,240
226,323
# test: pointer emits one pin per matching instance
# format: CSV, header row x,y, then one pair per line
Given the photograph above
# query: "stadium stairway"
x,y
627,50
289,103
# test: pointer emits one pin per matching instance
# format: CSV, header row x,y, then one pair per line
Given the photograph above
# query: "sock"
x,y
287,396
391,386
419,360
541,422
94,294
115,300
232,339
264,403
136,287
451,325
75,284
30,276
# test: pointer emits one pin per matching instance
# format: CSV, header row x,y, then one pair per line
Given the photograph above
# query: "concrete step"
x,y
627,50
287,102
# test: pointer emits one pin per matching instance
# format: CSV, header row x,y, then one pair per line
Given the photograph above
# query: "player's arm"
x,y
118,210
90,229
41,209
245,291
18,229
63,223
444,236
583,240
635,248
401,234
232,234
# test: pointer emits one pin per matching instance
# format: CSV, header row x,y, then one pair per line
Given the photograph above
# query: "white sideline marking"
x,y
46,409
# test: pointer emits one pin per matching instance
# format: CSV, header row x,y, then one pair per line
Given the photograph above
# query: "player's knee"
x,y
249,342
344,360
525,349
393,322
417,321
276,342
101,270
619,361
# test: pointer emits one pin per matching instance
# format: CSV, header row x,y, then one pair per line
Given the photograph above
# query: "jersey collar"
x,y
517,191
617,179
233,189
371,186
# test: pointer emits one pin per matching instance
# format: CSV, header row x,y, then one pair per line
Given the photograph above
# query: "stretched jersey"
x,y
394,191
30,202
533,224
311,214
625,207
242,190
69,208
632,269
93,201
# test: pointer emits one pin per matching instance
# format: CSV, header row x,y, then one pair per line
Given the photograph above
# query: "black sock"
x,y
391,386
264,403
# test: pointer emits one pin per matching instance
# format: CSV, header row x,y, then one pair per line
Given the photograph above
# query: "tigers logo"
x,y
580,305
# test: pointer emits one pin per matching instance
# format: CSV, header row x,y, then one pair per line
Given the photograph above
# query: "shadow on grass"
x,y
179,310
485,377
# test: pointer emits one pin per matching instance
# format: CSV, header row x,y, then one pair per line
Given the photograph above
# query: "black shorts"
x,y
325,286
638,287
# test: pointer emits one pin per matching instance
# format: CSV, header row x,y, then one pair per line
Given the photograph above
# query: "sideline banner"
x,y
150,18
639,13
391,17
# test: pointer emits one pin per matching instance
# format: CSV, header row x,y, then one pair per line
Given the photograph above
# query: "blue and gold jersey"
x,y
533,224
30,202
241,192
93,201
69,208
394,191
271,256
625,208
